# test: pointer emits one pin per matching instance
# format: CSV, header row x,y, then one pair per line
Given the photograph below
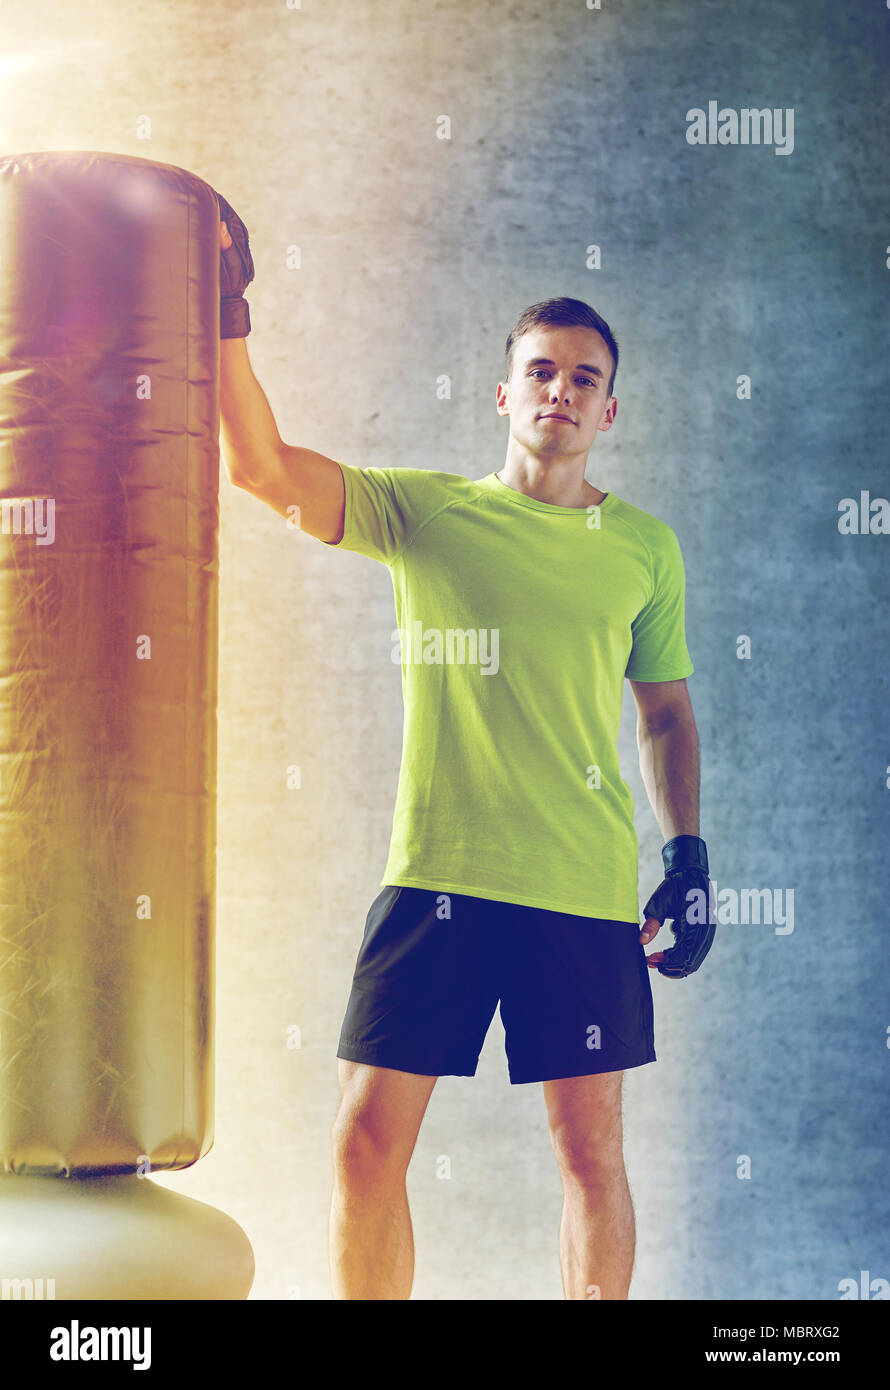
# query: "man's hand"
x,y
694,923
235,273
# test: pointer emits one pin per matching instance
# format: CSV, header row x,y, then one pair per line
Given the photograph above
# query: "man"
x,y
523,601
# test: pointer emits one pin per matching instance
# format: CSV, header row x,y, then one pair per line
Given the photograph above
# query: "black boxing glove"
x,y
686,870
235,274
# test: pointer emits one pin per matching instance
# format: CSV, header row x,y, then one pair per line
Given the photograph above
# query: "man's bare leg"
x,y
597,1232
371,1248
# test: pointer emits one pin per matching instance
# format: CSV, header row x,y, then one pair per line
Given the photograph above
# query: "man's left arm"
x,y
669,759
667,739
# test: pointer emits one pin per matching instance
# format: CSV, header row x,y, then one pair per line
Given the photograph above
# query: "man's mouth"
x,y
558,417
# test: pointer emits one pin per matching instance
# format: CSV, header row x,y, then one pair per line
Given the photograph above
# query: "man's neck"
x,y
559,486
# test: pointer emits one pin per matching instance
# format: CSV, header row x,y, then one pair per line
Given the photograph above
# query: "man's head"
x,y
561,357
562,313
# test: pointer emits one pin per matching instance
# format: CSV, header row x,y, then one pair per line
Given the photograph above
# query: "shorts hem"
x,y
558,1073
381,1057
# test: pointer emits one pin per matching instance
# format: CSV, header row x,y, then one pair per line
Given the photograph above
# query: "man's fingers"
x,y
224,239
653,960
650,929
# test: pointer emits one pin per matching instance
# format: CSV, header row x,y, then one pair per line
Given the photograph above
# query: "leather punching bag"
x,y
109,468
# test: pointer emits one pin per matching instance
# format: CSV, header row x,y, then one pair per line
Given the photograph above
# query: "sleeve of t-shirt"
x,y
383,510
659,651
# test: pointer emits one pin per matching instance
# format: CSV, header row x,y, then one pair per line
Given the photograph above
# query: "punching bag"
x,y
109,490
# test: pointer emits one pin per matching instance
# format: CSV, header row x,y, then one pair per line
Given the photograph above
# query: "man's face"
x,y
558,371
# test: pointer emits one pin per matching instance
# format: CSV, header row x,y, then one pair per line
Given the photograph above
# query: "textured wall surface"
x,y
568,129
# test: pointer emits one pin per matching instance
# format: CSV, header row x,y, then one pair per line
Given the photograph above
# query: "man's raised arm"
x,y
281,475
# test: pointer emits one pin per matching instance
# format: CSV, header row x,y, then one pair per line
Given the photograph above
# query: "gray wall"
x,y
568,129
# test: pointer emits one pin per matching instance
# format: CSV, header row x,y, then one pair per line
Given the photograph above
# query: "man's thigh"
x,y
381,1109
584,1115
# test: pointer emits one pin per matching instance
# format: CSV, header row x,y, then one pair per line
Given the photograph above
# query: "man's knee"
x,y
378,1119
585,1127
361,1139
593,1163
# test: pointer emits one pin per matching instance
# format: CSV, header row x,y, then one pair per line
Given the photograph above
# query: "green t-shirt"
x,y
517,623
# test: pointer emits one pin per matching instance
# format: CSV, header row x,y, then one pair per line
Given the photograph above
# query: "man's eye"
x,y
539,371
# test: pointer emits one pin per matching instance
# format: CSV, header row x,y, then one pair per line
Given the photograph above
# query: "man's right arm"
x,y
281,475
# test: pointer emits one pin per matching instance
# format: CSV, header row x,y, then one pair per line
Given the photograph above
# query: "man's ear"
x,y
502,403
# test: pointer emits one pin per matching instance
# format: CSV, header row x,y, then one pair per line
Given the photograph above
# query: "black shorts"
x,y
574,992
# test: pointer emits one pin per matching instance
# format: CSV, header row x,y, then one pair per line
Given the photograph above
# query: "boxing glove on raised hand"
x,y
235,274
685,860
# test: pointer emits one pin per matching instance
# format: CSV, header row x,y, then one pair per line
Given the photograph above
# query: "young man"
x,y
523,599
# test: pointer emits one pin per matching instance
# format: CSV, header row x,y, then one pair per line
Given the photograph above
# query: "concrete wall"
x,y
568,129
